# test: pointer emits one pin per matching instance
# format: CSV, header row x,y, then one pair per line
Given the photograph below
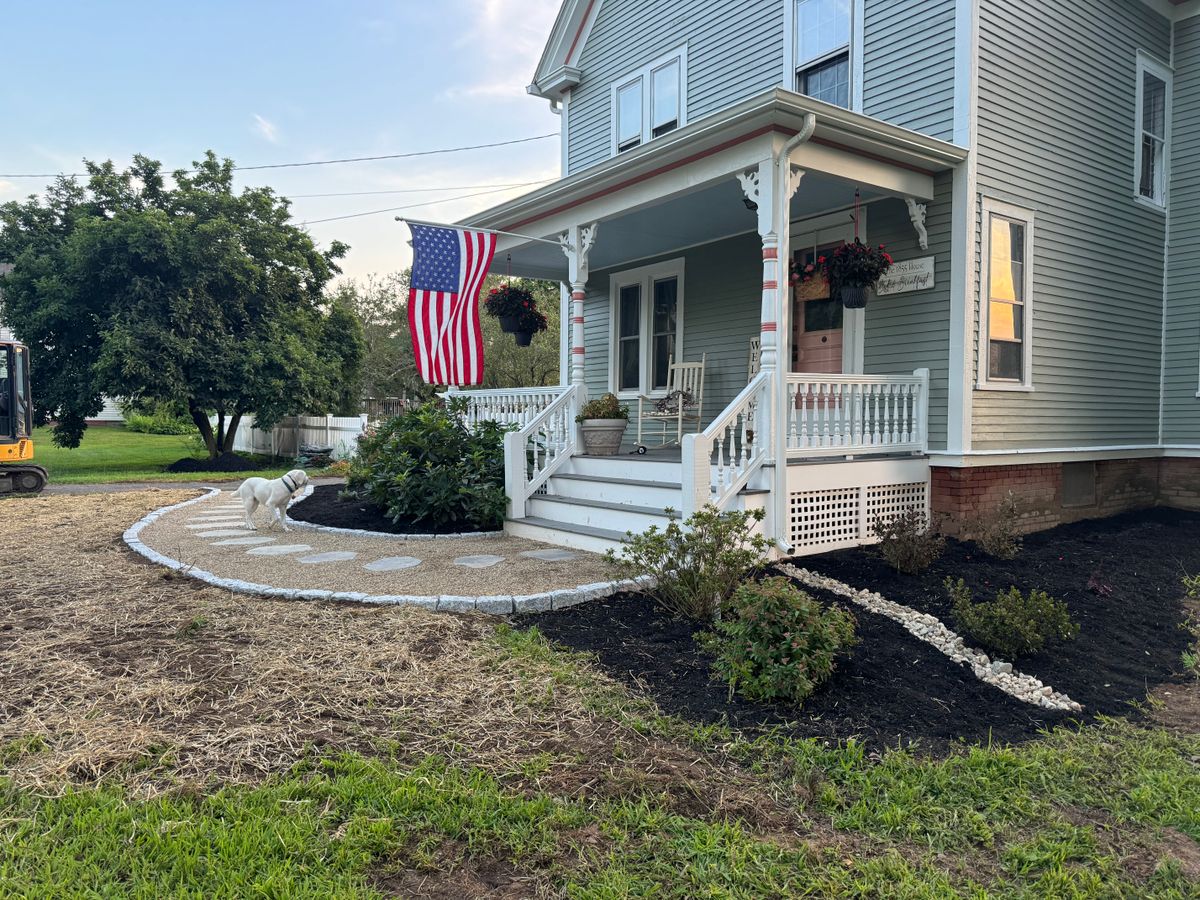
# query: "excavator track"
x,y
22,479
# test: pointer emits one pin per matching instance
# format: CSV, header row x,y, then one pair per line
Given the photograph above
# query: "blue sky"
x,y
268,82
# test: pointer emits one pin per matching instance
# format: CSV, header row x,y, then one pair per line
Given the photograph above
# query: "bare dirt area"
x,y
111,665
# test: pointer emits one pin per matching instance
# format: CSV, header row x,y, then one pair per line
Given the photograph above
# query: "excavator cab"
x,y
17,471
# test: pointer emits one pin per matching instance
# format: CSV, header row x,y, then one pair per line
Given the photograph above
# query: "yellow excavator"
x,y
17,471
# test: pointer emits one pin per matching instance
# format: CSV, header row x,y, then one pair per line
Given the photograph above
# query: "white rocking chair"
x,y
684,403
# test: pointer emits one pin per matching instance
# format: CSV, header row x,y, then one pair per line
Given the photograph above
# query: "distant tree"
x,y
507,365
388,367
132,288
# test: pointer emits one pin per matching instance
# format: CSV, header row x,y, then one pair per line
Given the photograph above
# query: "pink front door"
x,y
817,331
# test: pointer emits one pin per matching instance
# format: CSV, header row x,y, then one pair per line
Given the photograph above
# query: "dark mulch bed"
x,y
323,507
896,690
226,462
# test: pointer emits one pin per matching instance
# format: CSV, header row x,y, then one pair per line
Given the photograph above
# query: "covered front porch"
x,y
677,252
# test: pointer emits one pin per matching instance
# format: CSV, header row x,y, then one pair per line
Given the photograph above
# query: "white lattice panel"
x,y
887,501
825,519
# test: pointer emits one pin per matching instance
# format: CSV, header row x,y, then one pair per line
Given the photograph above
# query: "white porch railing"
x,y
508,406
843,415
719,461
539,448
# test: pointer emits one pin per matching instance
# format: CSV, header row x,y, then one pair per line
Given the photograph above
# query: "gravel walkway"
x,y
211,535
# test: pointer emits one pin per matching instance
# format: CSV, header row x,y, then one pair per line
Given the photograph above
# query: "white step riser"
x,y
596,517
616,492
517,528
618,467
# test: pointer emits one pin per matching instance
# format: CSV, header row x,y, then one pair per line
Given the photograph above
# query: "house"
x,y
1033,167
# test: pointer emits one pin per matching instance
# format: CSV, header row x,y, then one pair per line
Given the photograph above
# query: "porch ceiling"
x,y
679,190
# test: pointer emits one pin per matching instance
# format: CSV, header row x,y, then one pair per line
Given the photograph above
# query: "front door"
x,y
818,326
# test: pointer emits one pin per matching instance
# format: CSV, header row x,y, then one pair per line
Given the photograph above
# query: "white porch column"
x,y
577,245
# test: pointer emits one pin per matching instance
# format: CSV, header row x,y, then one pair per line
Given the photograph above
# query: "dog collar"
x,y
289,484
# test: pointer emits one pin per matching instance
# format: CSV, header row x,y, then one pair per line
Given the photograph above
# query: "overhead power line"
x,y
326,162
424,190
376,212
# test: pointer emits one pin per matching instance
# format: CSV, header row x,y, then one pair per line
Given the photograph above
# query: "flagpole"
x,y
527,237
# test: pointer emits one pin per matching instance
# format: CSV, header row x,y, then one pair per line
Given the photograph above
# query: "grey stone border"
x,y
362,532
494,605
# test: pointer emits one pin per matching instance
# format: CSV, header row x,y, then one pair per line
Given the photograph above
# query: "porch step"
x,y
565,534
655,494
603,514
620,468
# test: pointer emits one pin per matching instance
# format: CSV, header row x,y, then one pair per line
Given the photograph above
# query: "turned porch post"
x,y
577,245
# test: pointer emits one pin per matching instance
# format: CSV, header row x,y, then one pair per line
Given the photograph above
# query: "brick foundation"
x,y
963,496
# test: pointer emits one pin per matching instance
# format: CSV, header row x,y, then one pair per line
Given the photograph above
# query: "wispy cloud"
x,y
7,187
504,31
266,129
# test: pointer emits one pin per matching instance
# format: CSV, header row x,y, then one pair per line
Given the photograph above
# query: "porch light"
x,y
750,204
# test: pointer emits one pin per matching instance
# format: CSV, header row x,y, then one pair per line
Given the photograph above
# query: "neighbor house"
x,y
1034,168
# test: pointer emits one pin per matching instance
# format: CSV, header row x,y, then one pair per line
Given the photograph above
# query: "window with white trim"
x,y
1006,318
650,102
647,327
1152,130
822,50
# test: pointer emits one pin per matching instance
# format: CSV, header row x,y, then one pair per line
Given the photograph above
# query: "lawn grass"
x,y
112,453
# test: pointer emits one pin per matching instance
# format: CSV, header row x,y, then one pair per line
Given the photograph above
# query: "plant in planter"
x,y
854,269
509,304
529,323
810,281
603,422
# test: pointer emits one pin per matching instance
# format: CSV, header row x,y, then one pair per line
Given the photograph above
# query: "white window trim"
x,y
791,64
645,276
643,73
1028,218
1160,70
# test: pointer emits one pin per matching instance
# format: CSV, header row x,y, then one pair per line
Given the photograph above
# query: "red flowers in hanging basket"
x,y
857,265
508,300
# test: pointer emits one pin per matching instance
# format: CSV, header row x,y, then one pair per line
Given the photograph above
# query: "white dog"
x,y
273,494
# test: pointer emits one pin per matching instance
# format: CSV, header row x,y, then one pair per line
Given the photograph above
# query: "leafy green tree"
x,y
388,366
507,365
134,288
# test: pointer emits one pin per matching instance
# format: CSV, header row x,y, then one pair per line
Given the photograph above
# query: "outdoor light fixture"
x,y
750,204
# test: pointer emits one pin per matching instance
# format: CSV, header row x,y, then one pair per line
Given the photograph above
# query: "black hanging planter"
x,y
510,324
854,296
522,337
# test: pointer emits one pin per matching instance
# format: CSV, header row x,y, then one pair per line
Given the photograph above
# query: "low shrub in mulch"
x,y
892,688
330,505
226,462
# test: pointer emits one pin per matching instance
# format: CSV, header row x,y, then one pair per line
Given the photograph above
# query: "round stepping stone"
x,y
279,550
244,541
330,557
221,532
550,555
214,524
481,561
392,564
210,519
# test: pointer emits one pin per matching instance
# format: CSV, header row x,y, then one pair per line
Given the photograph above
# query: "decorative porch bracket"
x,y
577,245
916,212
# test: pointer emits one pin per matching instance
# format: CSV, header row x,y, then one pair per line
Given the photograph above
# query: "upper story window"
x,y
650,102
1153,131
1007,304
823,50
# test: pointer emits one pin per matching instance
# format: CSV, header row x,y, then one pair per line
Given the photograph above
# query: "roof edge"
x,y
567,37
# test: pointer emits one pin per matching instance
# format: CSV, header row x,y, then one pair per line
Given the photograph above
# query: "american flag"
x,y
449,265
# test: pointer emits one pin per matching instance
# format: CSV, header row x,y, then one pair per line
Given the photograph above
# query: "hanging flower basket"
x,y
508,304
509,324
855,296
855,268
523,338
528,323
809,282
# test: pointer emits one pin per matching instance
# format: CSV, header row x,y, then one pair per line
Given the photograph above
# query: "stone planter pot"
x,y
602,437
522,338
855,296
509,324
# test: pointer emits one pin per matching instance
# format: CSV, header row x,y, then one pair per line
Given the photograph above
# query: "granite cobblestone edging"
x,y
495,605
932,631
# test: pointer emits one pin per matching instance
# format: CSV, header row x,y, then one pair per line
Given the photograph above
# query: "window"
x,y
1005,348
823,50
647,327
650,102
1153,130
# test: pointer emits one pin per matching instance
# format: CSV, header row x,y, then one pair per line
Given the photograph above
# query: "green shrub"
x,y
697,564
1191,656
909,542
778,642
157,418
606,406
427,467
1014,623
997,534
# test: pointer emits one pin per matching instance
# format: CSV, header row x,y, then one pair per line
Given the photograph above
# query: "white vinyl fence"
x,y
285,439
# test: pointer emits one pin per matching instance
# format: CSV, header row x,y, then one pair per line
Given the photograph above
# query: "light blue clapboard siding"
x,y
908,64
905,332
735,50
1181,408
1057,96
